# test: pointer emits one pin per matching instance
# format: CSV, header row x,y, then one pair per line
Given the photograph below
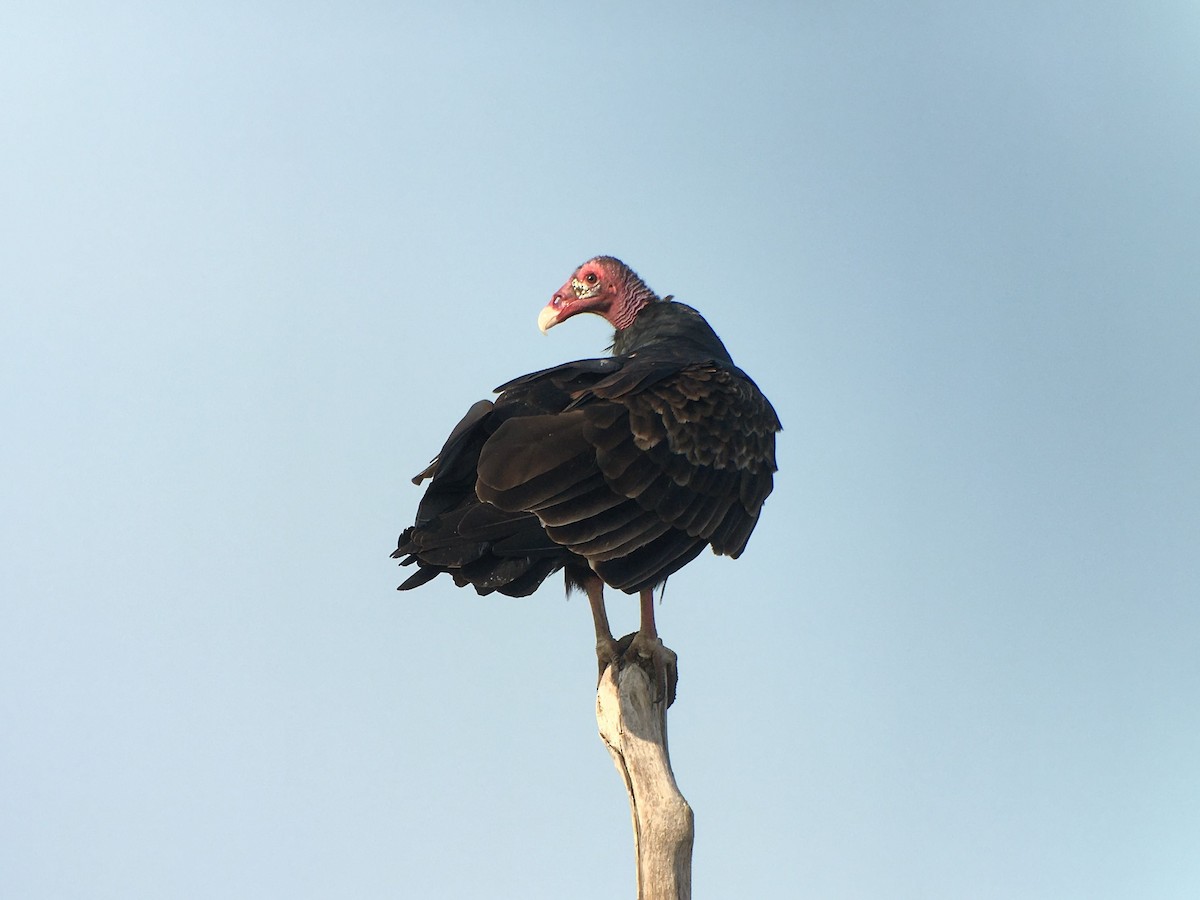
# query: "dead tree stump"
x,y
633,725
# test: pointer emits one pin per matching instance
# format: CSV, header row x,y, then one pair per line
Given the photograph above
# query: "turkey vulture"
x,y
617,470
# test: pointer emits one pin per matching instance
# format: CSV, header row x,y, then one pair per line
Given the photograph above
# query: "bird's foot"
x,y
659,661
608,653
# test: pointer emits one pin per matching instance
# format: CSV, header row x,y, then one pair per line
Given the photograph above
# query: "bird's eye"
x,y
590,278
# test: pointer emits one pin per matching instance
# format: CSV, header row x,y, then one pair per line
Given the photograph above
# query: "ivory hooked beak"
x,y
547,318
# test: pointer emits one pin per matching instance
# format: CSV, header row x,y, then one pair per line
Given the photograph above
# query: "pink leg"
x,y
647,627
606,647
646,646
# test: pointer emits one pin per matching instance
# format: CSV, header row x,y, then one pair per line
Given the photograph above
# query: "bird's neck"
x,y
637,296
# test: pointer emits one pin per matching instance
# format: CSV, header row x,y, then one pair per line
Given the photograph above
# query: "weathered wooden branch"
x,y
633,725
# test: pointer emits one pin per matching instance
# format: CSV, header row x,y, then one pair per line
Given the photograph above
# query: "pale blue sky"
x,y
256,260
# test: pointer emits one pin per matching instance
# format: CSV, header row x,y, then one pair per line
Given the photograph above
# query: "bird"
x,y
618,470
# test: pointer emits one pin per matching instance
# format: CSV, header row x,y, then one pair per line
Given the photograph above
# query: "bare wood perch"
x,y
633,726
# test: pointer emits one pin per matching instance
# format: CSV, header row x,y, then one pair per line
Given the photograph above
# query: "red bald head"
x,y
602,285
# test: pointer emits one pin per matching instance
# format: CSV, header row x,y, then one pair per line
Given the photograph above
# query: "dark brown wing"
x,y
642,470
472,541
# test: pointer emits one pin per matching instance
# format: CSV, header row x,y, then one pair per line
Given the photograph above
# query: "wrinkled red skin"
x,y
601,286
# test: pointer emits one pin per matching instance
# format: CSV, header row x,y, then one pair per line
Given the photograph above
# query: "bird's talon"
x,y
658,660
608,653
